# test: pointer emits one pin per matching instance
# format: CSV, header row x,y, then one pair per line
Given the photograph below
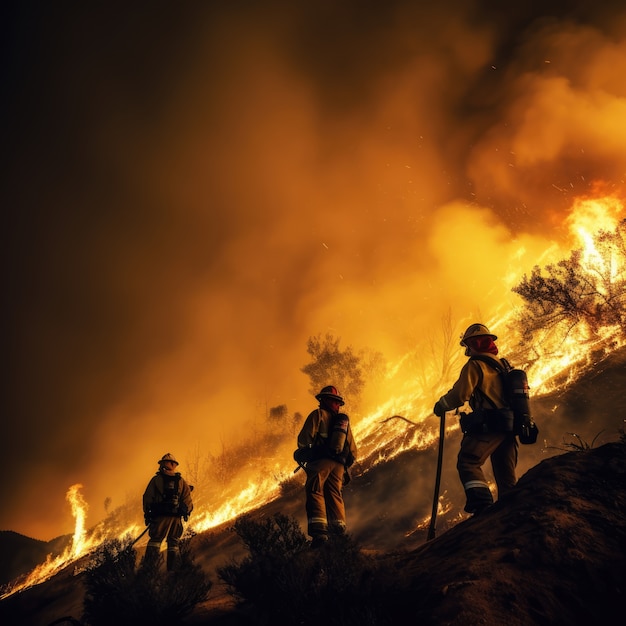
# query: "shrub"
x,y
287,582
118,592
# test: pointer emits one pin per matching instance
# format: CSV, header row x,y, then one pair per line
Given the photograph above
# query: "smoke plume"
x,y
193,191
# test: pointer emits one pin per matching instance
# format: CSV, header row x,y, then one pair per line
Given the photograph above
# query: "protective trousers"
x,y
324,498
474,452
171,529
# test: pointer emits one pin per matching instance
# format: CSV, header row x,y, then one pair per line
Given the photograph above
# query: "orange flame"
x,y
79,511
79,546
587,218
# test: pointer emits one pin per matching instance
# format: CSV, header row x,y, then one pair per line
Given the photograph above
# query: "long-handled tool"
x,y
433,515
140,536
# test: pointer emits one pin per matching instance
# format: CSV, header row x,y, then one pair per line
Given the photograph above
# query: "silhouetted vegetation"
x,y
284,581
332,366
119,592
578,443
278,414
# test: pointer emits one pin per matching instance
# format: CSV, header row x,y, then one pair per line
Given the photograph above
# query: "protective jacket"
x,y
167,495
315,434
477,382
326,474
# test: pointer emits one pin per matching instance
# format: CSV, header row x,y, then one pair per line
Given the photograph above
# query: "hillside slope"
x,y
552,552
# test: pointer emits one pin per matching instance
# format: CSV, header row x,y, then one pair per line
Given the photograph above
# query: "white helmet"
x,y
476,330
167,457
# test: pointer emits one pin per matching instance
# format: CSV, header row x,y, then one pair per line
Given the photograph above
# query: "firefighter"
x,y
488,428
326,450
166,502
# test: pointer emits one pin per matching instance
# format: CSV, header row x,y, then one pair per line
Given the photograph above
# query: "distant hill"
x,y
20,554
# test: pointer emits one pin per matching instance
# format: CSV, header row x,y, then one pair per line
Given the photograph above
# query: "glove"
x,y
303,455
438,409
147,518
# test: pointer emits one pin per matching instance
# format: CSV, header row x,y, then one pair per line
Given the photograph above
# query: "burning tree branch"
x,y
588,288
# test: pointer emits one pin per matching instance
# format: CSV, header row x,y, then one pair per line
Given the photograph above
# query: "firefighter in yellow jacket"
x,y
166,502
326,449
488,428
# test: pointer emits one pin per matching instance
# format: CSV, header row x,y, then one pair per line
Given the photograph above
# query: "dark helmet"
x,y
167,457
476,330
330,392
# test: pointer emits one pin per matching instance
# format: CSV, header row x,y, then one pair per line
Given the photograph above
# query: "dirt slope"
x,y
552,552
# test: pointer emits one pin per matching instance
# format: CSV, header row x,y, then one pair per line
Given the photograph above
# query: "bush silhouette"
x,y
118,592
284,581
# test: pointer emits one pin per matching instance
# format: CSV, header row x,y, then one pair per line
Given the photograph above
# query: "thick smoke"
x,y
192,193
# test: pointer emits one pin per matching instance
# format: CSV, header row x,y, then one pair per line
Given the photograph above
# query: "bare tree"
x,y
435,361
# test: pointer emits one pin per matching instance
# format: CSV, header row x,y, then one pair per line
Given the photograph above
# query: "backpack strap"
x,y
501,369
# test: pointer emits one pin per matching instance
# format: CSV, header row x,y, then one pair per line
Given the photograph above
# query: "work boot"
x,y
337,529
151,557
319,541
173,560
480,510
477,499
337,534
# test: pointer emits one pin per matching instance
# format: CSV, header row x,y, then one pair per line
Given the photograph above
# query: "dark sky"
x,y
192,190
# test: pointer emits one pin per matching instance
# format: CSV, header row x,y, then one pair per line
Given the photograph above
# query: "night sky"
x,y
192,190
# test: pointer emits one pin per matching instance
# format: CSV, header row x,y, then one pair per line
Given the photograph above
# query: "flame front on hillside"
x,y
79,511
569,354
79,546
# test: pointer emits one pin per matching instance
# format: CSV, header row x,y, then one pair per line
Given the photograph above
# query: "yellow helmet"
x,y
476,330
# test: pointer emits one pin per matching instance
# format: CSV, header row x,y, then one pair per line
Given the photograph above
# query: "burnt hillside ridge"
x,y
551,552
546,532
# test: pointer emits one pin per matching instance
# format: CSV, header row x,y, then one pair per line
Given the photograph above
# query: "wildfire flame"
x,y
378,441
79,546
79,511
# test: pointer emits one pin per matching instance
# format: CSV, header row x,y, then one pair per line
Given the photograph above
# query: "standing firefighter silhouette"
x,y
166,503
326,450
499,414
